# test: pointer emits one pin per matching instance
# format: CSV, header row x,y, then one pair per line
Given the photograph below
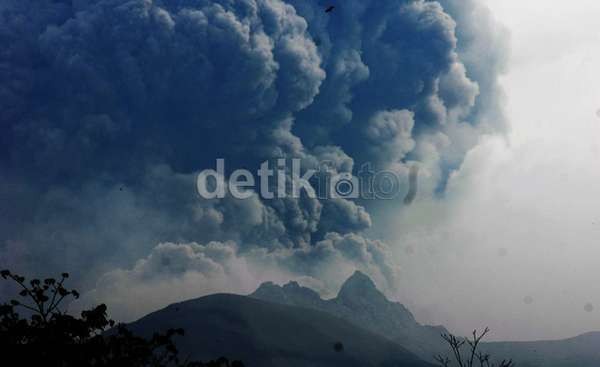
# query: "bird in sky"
x,y
329,9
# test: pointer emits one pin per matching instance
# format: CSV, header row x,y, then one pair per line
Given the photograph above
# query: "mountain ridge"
x,y
360,302
266,334
292,325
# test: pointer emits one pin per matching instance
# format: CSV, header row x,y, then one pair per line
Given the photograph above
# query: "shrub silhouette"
x,y
51,337
473,357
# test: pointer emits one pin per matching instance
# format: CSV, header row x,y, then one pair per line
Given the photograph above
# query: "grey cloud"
x,y
172,272
343,216
169,273
109,108
334,258
390,136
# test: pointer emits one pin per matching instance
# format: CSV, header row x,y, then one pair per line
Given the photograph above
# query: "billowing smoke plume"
x,y
109,109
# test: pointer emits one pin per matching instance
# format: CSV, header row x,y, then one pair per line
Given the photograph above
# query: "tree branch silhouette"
x,y
473,355
52,337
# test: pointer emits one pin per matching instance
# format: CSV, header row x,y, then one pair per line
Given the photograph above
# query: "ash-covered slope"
x,y
361,303
265,334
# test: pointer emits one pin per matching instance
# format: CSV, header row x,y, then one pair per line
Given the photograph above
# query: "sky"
x,y
111,108
519,228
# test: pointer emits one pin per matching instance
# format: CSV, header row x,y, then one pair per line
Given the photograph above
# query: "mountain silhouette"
x,y
293,326
361,303
266,334
360,288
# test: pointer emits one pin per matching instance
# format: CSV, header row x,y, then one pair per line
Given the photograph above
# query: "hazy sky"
x,y
515,244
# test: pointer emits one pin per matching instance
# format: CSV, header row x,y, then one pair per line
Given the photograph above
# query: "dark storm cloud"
x,y
110,107
385,56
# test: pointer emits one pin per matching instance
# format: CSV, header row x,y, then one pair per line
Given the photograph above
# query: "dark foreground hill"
x,y
265,334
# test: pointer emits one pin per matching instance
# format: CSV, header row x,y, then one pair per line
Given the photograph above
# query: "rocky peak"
x,y
361,303
360,287
291,293
268,290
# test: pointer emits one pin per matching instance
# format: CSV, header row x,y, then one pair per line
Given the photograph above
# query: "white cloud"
x,y
521,218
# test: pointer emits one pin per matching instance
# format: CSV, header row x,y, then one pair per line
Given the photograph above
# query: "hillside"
x,y
580,351
265,334
361,303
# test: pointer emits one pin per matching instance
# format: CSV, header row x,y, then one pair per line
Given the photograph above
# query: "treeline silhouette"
x,y
48,336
